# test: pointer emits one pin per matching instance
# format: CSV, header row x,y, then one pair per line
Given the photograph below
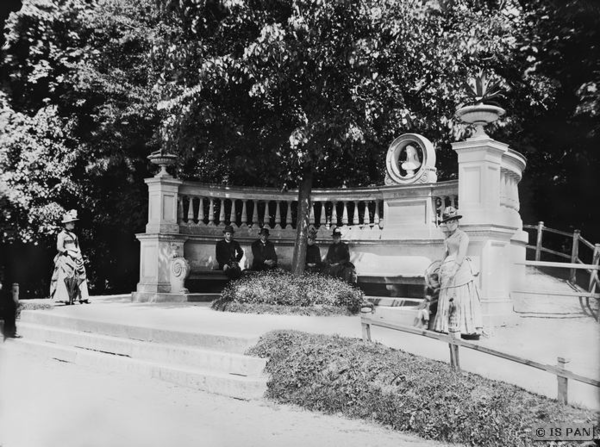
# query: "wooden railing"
x,y
575,242
455,342
205,205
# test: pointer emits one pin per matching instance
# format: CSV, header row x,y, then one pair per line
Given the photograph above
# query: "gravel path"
x,y
46,403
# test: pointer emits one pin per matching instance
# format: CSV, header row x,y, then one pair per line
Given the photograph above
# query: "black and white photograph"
x,y
268,223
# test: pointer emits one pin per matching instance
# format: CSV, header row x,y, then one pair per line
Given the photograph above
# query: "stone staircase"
x,y
204,361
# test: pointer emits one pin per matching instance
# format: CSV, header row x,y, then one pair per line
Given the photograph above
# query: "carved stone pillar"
x,y
156,244
489,218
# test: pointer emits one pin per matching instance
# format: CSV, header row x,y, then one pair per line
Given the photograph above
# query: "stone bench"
x,y
206,281
383,285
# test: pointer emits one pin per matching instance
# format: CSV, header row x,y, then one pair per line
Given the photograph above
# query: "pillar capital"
x,y
479,179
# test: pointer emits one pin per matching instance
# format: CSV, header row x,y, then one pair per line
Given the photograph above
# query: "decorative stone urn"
x,y
479,115
163,160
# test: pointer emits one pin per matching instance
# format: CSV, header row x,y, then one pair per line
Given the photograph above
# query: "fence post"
x,y
538,244
594,275
366,327
563,382
574,255
366,332
454,332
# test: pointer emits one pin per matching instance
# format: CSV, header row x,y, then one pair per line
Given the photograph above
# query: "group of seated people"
x,y
264,257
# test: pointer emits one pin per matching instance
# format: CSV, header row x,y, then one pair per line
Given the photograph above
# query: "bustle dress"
x,y
69,281
458,284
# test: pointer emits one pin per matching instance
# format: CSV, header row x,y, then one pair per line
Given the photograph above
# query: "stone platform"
x,y
115,332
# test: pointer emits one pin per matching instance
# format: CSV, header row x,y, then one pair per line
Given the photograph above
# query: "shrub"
x,y
279,291
370,381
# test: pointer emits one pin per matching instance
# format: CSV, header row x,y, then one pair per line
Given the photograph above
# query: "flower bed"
x,y
281,292
408,393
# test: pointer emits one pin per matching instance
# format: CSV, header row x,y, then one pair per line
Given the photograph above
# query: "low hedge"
x,y
281,292
333,374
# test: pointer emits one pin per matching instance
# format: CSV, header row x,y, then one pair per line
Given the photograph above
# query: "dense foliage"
x,y
333,374
275,92
279,291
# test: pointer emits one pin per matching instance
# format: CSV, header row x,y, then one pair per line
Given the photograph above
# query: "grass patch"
x,y
334,374
280,292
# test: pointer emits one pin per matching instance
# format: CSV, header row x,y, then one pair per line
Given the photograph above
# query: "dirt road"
x,y
46,403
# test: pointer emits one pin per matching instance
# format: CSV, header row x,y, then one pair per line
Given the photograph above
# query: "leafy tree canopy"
x,y
263,91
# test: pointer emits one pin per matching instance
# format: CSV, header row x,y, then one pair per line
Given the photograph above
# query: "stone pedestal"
x,y
156,262
162,205
479,174
488,173
409,216
161,243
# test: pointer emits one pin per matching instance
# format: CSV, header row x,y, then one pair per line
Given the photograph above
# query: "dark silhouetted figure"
x,y
8,311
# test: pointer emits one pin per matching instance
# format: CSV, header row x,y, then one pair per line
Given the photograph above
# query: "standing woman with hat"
x,y
69,280
229,253
458,291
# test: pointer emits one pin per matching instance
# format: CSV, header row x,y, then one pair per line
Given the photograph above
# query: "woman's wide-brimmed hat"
x,y
264,231
70,216
432,274
228,229
450,213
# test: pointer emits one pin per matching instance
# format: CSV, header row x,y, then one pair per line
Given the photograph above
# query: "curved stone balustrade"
x,y
202,206
391,229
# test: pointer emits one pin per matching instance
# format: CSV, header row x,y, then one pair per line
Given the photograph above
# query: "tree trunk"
x,y
303,220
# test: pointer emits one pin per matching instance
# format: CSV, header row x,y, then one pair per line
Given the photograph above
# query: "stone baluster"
x,y
211,213
232,216
190,213
311,219
503,188
180,210
288,214
201,211
345,214
222,213
244,213
366,216
278,215
334,218
323,218
266,216
255,223
376,214
442,206
515,193
355,215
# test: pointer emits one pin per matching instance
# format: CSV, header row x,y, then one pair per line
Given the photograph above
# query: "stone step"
x,y
202,297
196,339
400,315
227,384
393,286
393,302
225,362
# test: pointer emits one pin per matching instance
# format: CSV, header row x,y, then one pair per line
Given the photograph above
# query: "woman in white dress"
x,y
69,282
458,291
